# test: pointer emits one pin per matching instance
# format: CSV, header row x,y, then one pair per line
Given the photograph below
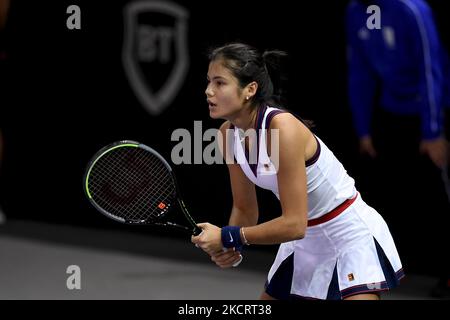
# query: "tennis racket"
x,y
133,184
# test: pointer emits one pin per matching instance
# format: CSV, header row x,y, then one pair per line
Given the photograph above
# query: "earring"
x,y
247,97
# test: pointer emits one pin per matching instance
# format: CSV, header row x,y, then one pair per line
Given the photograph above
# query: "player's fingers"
x,y
223,251
222,258
219,255
233,262
226,258
196,239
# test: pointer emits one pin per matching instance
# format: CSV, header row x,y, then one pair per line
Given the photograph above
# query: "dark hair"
x,y
247,64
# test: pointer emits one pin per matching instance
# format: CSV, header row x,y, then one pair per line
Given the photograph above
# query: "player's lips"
x,y
211,105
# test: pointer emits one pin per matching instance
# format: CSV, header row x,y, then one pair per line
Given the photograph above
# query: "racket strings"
x,y
132,183
155,172
156,175
139,210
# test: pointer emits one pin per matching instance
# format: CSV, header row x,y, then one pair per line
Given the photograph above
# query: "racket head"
x,y
131,183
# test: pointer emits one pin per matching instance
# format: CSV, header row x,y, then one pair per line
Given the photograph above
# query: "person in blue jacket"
x,y
398,90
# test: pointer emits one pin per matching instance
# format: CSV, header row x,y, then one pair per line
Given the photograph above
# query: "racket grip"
x,y
196,231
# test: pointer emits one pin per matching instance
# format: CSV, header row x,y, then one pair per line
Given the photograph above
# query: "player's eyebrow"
x,y
216,78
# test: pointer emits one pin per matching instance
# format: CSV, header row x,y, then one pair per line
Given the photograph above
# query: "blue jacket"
x,y
403,61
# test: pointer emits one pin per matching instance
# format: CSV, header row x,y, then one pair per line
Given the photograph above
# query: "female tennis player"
x,y
332,244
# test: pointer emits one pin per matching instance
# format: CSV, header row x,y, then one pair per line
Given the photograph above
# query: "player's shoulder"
x,y
285,120
289,124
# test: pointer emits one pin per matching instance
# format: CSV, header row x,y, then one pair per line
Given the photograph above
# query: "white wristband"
x,y
238,262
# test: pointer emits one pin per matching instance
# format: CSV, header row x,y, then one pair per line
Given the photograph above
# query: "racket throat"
x,y
195,229
175,225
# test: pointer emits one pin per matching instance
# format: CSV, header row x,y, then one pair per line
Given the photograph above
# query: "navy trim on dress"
x,y
258,125
392,277
270,116
279,286
316,155
333,289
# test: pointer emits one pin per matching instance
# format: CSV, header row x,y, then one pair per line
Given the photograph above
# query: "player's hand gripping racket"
x,y
133,184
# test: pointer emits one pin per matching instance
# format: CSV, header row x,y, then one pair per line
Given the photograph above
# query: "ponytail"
x,y
274,61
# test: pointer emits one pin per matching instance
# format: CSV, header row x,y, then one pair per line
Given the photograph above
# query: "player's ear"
x,y
250,90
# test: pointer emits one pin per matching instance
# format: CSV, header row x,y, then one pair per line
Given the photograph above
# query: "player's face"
x,y
223,92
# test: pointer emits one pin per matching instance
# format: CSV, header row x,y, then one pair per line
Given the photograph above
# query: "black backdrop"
x,y
65,94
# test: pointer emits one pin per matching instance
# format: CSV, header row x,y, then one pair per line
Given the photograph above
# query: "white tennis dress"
x,y
352,253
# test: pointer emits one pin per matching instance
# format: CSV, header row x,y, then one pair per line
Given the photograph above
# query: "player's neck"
x,y
246,119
